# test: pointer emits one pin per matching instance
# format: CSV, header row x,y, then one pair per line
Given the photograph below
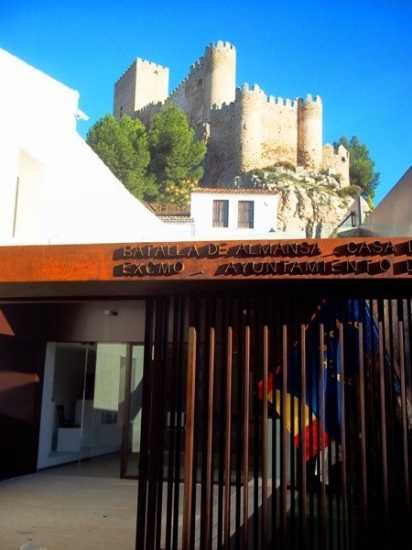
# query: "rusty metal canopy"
x,y
134,269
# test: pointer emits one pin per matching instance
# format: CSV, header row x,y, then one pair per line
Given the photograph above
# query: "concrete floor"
x,y
69,508
78,506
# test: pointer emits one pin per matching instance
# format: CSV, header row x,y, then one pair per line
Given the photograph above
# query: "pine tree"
x,y
361,166
123,147
176,156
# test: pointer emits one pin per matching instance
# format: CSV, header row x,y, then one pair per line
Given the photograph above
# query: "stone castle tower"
x,y
244,128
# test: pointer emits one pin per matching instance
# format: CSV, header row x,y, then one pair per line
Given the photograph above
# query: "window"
x,y
245,214
220,214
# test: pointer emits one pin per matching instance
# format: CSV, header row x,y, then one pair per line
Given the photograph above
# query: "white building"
x,y
54,189
235,213
230,214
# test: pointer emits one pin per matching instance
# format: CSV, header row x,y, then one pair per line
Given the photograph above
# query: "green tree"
x,y
361,166
123,146
176,156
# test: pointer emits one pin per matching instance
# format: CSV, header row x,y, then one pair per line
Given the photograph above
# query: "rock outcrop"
x,y
311,203
315,211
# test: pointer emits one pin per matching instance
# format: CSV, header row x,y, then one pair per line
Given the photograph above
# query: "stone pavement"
x,y
55,511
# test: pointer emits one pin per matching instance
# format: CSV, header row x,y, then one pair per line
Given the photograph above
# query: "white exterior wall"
x,y
265,214
53,188
392,217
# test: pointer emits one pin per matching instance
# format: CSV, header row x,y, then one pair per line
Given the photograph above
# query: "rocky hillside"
x,y
312,203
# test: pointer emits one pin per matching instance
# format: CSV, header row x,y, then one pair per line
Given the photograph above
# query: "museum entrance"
x,y
249,419
263,391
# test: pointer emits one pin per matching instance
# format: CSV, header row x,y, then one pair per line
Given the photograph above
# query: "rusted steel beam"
x,y
205,260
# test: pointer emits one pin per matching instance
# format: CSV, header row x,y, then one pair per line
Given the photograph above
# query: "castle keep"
x,y
245,129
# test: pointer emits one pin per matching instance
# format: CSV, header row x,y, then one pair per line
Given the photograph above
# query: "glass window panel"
x,y
220,213
246,214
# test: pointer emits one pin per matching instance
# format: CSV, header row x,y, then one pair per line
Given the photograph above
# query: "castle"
x,y
244,128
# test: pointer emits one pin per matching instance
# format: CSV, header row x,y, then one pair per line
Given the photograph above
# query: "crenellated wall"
x,y
245,129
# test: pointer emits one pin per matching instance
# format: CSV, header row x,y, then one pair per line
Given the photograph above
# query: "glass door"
x,y
102,410
92,407
133,391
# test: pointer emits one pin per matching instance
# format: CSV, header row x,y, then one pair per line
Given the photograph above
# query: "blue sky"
x,y
356,55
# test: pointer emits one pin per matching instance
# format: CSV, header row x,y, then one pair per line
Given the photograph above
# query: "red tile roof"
x,y
235,191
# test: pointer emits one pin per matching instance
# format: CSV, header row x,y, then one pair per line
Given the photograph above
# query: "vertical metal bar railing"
x,y
374,448
157,436
178,394
408,405
283,438
343,529
228,431
207,493
174,427
404,422
171,433
239,307
363,464
293,319
188,498
265,410
303,439
256,355
246,419
382,395
276,344
150,473
142,510
321,439
224,442
408,412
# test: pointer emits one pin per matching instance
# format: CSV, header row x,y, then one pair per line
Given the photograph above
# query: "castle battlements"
x,y
225,108
150,106
270,99
142,63
282,102
180,86
308,99
220,45
244,88
245,128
